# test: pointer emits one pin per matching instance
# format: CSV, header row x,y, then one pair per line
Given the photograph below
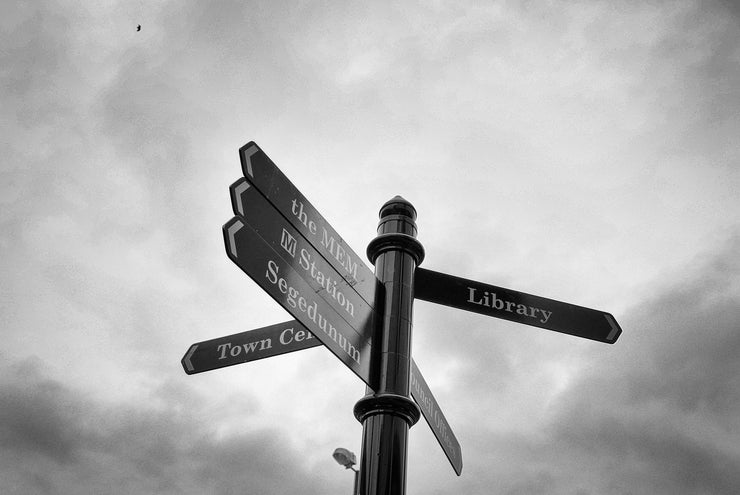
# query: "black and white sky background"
x,y
582,151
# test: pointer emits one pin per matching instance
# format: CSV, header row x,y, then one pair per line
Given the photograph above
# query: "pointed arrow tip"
x,y
250,150
237,189
231,231
615,329
186,363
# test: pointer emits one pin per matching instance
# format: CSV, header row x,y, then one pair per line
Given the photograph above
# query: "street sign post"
x,y
365,318
248,346
431,411
280,277
515,306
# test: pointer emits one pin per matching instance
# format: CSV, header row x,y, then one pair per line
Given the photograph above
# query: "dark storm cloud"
x,y
37,415
121,143
684,346
658,412
52,437
654,413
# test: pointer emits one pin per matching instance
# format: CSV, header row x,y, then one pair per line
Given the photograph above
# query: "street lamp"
x,y
347,459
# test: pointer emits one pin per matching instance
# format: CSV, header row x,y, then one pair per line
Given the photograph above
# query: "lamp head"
x,y
344,457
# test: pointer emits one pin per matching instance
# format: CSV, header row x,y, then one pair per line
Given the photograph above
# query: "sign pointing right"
x,y
515,306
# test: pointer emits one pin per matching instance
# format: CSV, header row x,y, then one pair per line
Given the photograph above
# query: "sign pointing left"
x,y
269,180
278,276
244,347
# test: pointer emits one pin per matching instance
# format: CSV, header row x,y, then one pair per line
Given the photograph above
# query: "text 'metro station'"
x,y
362,316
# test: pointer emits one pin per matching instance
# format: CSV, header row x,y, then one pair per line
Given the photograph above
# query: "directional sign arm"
x,y
437,422
283,283
244,347
293,247
269,180
515,306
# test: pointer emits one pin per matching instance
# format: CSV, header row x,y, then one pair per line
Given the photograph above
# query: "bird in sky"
x,y
138,28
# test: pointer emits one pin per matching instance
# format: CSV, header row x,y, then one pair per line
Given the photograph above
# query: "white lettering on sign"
x,y
335,248
490,300
236,350
296,301
288,243
326,282
303,217
339,254
289,335
434,416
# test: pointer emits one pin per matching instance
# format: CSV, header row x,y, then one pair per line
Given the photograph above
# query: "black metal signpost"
x,y
363,317
387,412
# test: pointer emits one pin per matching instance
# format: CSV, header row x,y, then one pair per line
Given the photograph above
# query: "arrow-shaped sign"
x,y
291,336
281,280
262,172
248,346
437,422
296,250
515,306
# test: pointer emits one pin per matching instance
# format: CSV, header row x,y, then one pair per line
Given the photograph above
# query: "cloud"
x,y
580,128
657,412
654,413
37,416
56,440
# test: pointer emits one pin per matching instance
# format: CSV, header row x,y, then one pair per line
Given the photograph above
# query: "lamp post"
x,y
347,459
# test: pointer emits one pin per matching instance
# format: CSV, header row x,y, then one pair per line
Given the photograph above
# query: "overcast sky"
x,y
581,151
